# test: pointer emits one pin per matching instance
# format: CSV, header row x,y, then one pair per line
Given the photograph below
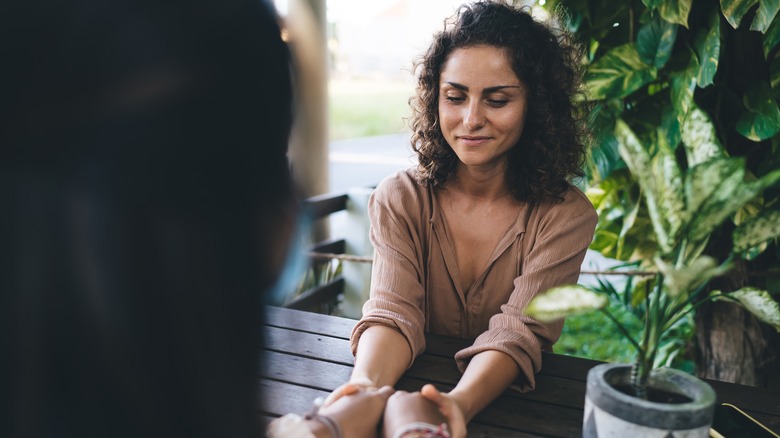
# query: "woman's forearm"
x,y
488,374
382,356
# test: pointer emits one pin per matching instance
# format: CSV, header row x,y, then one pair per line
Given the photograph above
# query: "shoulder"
x,y
573,205
401,187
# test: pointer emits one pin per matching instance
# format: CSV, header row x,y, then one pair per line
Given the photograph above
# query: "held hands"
x,y
357,409
429,406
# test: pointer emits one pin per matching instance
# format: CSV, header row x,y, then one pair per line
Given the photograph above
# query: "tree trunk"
x,y
732,345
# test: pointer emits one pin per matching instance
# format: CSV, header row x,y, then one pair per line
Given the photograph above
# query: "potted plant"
x,y
686,204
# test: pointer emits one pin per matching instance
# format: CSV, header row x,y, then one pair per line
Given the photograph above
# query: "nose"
x,y
473,118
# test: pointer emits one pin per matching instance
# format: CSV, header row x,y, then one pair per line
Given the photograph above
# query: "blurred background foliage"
x,y
677,73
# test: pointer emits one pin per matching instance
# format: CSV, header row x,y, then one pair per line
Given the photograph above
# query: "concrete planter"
x,y
611,413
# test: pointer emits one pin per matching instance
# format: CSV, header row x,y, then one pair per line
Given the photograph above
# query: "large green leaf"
x,y
734,10
757,230
767,10
700,139
603,157
618,73
730,194
638,160
655,41
704,179
772,36
708,50
560,302
669,189
760,304
652,4
675,11
669,130
762,118
681,281
683,85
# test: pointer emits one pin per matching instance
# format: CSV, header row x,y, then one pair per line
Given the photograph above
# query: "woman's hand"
x,y
358,410
429,406
449,408
348,388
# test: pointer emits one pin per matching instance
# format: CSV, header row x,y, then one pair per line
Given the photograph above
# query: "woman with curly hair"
x,y
488,219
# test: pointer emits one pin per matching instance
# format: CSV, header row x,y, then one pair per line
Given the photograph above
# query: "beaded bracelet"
x,y
314,414
426,429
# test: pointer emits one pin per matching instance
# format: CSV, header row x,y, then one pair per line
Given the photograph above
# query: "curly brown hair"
x,y
551,150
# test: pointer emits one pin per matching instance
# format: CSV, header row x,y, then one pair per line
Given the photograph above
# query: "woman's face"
x,y
482,105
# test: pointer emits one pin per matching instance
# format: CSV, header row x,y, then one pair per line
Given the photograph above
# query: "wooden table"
x,y
307,355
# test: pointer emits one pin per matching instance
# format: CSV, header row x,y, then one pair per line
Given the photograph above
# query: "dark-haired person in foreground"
x,y
488,219
147,205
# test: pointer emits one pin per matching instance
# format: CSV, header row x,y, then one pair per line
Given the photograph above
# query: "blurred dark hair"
x,y
143,177
550,151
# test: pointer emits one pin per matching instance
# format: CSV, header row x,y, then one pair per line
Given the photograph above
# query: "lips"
x,y
473,140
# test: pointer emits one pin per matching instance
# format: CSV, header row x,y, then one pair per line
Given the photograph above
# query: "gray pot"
x,y
611,413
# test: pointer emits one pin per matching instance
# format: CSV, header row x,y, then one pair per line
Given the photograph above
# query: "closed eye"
x,y
497,102
454,99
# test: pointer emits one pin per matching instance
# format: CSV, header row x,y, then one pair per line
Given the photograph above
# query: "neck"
x,y
487,184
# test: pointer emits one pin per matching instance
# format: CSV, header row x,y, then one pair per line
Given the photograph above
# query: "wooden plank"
x,y
311,345
303,371
279,398
319,295
748,398
326,204
334,326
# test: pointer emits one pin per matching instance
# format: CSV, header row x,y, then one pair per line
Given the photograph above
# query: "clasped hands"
x,y
359,407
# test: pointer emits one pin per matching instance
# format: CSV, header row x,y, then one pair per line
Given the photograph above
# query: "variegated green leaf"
x,y
618,73
757,230
670,193
683,85
734,10
684,280
767,10
704,180
639,162
772,36
762,118
675,11
760,304
731,194
708,50
700,139
656,40
652,4
629,219
560,302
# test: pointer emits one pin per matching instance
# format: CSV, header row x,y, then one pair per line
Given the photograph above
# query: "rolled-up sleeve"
x,y
560,242
397,295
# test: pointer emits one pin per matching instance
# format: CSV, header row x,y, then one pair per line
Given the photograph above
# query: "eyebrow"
x,y
486,90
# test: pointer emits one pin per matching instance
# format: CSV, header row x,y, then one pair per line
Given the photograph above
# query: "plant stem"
x,y
623,330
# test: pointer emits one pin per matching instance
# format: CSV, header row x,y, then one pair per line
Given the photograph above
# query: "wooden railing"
x,y
316,298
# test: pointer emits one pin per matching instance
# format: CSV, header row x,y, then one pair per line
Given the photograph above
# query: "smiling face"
x,y
482,105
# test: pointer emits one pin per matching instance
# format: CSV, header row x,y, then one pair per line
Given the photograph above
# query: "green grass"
x,y
594,336
364,108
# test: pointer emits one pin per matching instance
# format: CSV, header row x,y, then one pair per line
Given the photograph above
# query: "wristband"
x,y
314,414
425,429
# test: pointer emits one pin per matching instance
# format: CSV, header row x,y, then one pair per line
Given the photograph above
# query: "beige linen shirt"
x,y
414,287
